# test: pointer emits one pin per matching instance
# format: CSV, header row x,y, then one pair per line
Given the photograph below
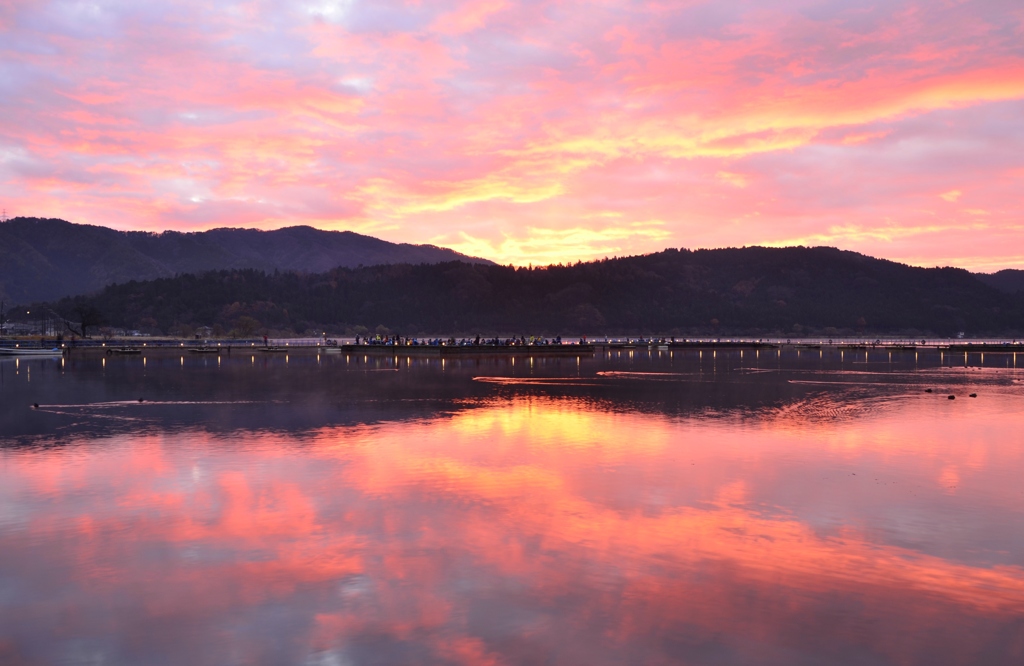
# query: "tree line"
x,y
749,291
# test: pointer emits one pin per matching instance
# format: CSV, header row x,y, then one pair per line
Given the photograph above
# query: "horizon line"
x,y
528,264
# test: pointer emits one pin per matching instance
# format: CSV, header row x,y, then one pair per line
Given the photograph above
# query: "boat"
x,y
204,350
271,350
28,351
124,351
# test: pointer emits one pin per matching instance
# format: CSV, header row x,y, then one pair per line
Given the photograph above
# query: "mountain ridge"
x,y
1009,280
48,258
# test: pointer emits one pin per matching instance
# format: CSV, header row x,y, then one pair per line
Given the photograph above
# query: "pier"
x,y
467,350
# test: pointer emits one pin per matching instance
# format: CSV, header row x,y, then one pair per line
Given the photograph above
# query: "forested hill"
x,y
1010,280
43,259
751,291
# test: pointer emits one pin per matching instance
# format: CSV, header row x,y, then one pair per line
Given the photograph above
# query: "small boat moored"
x,y
29,351
124,351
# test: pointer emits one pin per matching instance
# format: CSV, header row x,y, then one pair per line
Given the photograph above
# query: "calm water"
x,y
644,508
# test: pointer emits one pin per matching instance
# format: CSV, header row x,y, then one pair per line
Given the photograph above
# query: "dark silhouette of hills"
x,y
45,259
1010,280
753,291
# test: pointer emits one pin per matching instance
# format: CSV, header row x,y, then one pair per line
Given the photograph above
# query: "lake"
x,y
636,507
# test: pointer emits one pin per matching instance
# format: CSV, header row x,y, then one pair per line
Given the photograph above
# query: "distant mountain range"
x,y
46,259
301,278
750,291
1010,280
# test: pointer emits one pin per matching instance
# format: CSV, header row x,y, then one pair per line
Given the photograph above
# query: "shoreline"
x,y
229,348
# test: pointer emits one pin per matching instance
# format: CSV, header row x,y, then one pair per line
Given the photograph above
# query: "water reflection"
x,y
313,514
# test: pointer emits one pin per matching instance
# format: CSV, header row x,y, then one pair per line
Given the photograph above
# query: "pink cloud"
x,y
494,124
468,16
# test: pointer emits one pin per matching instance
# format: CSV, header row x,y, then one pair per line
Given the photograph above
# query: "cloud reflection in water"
x,y
538,528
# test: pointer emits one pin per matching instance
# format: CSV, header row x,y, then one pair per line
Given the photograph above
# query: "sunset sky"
x,y
528,132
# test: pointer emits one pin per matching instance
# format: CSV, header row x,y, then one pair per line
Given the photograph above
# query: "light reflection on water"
x,y
315,513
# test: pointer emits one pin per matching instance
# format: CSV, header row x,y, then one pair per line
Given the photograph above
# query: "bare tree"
x,y
88,317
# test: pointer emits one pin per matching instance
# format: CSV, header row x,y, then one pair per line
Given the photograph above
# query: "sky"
x,y
533,132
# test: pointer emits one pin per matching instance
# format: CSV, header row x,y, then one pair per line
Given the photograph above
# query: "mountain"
x,y
1010,280
45,259
751,291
